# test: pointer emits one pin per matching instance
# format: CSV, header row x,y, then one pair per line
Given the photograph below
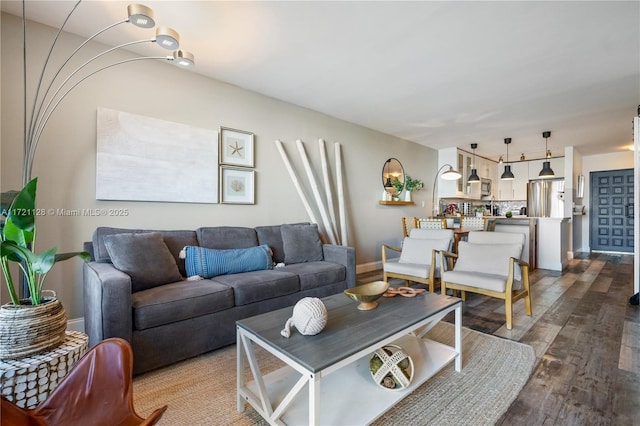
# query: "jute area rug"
x,y
201,391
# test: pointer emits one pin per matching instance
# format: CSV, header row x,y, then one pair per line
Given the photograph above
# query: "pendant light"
x,y
546,171
474,178
507,175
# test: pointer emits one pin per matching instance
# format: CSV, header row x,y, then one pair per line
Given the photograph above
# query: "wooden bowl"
x,y
367,294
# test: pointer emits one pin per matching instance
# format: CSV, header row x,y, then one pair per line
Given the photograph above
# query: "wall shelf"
x,y
395,203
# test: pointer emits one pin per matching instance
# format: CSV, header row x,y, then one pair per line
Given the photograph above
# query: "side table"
x,y
28,381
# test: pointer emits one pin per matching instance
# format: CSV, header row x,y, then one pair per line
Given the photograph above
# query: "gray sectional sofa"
x,y
136,285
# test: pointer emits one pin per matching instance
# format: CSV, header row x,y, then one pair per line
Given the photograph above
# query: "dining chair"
x,y
427,223
472,223
408,223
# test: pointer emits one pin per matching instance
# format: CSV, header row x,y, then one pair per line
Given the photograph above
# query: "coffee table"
x,y
326,378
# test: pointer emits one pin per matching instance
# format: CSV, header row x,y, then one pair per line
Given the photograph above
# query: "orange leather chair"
x,y
97,391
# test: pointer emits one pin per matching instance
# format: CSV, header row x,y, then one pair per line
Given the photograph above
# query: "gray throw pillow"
x,y
144,257
301,243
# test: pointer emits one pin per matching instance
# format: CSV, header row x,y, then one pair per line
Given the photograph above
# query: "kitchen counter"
x,y
553,235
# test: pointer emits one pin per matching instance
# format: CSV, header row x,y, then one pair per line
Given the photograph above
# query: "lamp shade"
x,y
546,171
546,166
167,38
141,16
474,178
451,174
183,58
508,174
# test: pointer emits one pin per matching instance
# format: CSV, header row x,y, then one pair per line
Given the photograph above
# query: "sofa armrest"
x,y
107,302
345,256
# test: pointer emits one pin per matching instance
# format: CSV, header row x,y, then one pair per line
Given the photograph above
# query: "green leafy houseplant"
x,y
413,185
398,185
17,244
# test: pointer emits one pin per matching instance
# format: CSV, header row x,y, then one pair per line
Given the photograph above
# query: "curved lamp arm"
x,y
451,174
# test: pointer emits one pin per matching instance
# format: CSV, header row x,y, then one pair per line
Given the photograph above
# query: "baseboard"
x,y
76,324
368,267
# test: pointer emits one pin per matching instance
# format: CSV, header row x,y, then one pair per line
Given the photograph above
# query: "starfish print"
x,y
236,149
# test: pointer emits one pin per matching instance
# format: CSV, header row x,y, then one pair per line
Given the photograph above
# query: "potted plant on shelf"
x,y
398,186
412,185
19,335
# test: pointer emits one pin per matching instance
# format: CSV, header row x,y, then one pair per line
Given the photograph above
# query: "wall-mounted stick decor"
x,y
146,159
342,213
329,224
296,182
316,193
327,184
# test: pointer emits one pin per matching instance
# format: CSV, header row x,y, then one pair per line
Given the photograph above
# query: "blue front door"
x,y
611,222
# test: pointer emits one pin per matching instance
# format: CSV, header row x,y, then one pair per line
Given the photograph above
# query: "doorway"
x,y
611,206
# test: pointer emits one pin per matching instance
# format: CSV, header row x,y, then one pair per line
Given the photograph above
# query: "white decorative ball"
x,y
309,317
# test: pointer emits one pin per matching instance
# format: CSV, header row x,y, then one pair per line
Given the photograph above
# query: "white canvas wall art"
x,y
147,159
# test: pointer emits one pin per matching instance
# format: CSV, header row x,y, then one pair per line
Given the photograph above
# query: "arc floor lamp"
x,y
50,92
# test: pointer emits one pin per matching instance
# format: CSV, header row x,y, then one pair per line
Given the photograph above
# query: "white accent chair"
x,y
418,259
490,263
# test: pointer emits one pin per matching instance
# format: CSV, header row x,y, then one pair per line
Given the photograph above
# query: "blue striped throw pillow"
x,y
209,263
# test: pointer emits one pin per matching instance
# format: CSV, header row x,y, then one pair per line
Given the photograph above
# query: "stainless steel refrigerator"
x,y
545,198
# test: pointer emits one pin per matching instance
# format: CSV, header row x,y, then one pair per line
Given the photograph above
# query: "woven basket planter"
x,y
26,329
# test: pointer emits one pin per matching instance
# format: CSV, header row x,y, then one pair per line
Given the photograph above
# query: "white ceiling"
x,y
437,73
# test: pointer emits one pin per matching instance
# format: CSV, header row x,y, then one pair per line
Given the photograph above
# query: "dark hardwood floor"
x,y
586,337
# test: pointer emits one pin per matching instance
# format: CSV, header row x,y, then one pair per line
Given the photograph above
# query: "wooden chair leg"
x,y
527,304
508,304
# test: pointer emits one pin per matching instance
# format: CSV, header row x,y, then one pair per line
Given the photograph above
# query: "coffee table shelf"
x,y
350,396
309,390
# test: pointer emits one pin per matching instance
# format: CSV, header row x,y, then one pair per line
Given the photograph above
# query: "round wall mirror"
x,y
393,177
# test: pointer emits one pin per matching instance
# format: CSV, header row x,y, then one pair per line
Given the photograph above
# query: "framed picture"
x,y
237,186
236,147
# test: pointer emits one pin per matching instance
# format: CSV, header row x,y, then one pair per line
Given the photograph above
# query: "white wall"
x,y
595,163
65,160
576,228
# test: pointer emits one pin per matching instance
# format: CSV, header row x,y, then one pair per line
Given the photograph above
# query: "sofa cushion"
x,y
272,236
316,274
226,237
179,301
486,258
144,257
250,287
209,263
301,243
174,240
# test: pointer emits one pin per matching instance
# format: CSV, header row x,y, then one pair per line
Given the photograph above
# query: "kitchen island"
x,y
553,237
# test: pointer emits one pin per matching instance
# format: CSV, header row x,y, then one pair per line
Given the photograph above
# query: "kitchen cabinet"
x,y
521,172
